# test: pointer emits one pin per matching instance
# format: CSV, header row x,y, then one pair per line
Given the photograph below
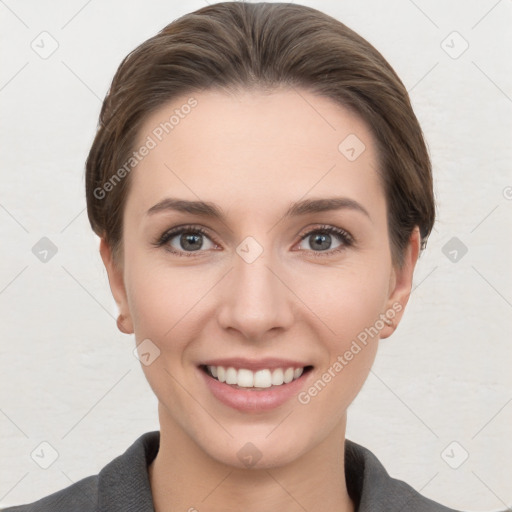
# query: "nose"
x,y
256,299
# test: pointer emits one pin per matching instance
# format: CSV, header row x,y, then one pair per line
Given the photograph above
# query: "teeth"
x,y
277,377
245,378
260,379
231,376
288,375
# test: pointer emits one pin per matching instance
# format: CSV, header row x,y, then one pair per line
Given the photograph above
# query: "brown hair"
x,y
241,45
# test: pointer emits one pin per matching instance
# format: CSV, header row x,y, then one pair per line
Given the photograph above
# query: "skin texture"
x,y
253,154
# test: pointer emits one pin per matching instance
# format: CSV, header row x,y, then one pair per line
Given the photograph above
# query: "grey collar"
x,y
123,484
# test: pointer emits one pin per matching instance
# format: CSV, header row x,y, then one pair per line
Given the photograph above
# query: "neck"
x,y
184,477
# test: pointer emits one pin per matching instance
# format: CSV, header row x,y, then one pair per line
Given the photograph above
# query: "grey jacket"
x,y
123,485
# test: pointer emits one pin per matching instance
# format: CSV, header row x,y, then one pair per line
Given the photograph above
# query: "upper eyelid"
x,y
177,230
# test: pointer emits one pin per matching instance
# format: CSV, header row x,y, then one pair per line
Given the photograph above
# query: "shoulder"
x,y
372,488
81,496
123,484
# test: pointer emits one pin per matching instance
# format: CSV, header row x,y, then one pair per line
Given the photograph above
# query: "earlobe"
x,y
116,281
120,325
401,284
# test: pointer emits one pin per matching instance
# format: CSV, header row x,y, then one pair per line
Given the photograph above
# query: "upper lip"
x,y
255,364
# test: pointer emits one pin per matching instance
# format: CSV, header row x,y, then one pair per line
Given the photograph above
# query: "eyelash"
x,y
346,238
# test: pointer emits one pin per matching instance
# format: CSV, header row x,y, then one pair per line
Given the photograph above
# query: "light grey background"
x,y
70,378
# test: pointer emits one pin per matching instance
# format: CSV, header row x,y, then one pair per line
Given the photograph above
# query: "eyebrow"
x,y
304,207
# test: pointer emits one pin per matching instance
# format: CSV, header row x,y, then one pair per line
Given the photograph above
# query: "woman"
x,y
262,191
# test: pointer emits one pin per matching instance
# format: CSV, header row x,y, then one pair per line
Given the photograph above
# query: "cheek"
x,y
346,300
351,310
347,303
167,303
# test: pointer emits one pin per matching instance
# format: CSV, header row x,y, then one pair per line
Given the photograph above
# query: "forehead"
x,y
254,145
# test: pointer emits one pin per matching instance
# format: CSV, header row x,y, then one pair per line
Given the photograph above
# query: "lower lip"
x,y
253,400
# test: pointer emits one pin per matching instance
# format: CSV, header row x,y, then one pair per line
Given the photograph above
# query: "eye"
x,y
321,238
185,240
190,240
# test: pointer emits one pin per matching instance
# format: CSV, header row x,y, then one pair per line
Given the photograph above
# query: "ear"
x,y
116,281
400,284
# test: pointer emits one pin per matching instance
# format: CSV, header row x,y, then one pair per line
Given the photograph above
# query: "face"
x,y
277,278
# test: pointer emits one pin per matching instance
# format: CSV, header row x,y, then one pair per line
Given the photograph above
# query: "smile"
x,y
255,391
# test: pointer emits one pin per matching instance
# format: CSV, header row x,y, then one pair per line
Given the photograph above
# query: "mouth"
x,y
263,379
254,391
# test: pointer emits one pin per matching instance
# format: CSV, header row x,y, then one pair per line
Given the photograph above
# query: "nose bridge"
x,y
254,299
